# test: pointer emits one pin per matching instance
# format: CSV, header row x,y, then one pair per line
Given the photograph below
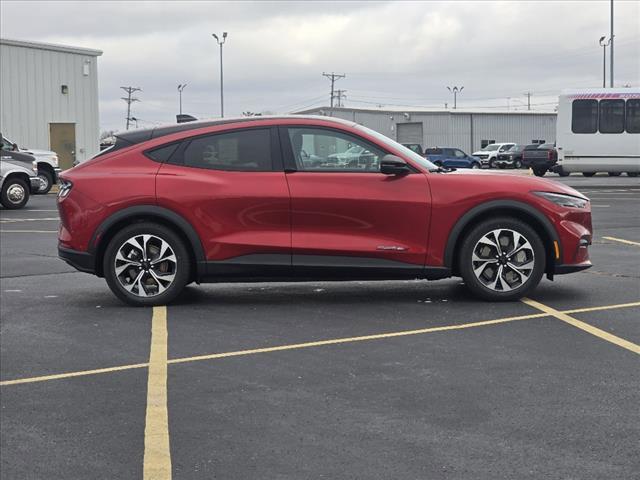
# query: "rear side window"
x,y
433,151
584,116
244,151
611,116
633,116
162,154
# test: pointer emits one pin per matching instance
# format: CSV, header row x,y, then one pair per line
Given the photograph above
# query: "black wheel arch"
x,y
152,213
520,210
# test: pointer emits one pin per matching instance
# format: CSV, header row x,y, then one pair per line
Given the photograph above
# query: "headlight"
x,y
65,188
564,200
54,160
34,167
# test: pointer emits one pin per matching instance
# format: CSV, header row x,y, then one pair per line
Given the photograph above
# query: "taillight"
x,y
550,154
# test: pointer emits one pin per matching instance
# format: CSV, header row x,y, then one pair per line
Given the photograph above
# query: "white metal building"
x,y
49,98
463,129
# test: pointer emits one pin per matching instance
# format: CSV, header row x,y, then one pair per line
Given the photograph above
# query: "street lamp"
x,y
221,42
180,88
604,59
455,91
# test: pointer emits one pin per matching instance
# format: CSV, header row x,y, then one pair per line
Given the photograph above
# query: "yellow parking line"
x,y
621,240
318,343
157,454
82,373
621,342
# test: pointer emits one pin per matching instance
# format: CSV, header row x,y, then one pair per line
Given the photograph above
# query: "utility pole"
x,y
528,94
180,88
611,53
340,94
604,59
333,77
455,91
221,42
130,99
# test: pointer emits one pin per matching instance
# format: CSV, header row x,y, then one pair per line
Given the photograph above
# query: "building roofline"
x,y
418,111
50,46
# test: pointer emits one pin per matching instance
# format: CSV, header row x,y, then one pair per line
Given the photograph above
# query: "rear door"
x,y
349,218
232,187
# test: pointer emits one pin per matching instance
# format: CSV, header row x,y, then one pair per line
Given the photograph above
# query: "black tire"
x,y
632,174
588,174
14,194
539,172
492,163
502,166
517,164
562,173
182,271
614,174
465,263
47,182
475,165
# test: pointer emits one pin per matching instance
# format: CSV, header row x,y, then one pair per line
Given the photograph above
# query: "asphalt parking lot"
x,y
371,380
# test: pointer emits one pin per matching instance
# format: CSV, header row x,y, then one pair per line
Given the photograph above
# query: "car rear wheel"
x,y
588,174
14,194
502,259
562,172
146,264
477,165
539,172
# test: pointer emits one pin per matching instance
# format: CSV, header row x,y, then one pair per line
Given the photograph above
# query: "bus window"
x,y
633,116
584,116
611,116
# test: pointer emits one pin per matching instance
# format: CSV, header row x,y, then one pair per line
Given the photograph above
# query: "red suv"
x,y
307,198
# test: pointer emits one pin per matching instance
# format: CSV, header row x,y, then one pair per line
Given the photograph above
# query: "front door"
x,y
346,216
62,140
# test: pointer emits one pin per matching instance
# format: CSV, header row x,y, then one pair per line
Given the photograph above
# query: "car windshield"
x,y
516,148
393,144
545,146
491,148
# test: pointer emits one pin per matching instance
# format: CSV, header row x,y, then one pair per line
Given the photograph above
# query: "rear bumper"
x,y
82,261
563,269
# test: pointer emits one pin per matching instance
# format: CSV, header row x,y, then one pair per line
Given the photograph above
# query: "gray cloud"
x,y
401,53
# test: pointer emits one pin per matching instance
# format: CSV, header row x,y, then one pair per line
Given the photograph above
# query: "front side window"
x,y
584,116
633,116
244,151
318,150
611,116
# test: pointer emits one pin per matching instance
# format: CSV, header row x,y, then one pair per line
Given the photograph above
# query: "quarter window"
x,y
633,116
319,150
584,116
245,151
162,154
611,116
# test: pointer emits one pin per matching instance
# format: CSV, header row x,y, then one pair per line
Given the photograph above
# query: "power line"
x,y
130,99
340,94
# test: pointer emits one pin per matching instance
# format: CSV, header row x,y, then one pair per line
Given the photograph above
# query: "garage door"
x,y
410,133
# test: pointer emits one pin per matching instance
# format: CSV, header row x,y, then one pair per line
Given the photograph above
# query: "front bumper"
x,y
56,174
82,261
563,269
35,184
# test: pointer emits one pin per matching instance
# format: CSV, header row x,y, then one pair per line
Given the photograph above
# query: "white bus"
x,y
598,130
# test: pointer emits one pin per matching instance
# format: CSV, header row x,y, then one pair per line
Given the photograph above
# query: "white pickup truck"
x,y
47,163
489,154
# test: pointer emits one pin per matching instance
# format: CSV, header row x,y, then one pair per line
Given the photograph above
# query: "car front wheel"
x,y
14,194
46,182
502,259
146,264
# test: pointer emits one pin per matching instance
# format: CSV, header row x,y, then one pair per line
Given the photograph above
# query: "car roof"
x,y
142,135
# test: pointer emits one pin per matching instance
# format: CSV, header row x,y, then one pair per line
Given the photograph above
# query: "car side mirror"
x,y
393,165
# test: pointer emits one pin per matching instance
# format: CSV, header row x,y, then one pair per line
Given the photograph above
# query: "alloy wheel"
x,y
503,260
145,265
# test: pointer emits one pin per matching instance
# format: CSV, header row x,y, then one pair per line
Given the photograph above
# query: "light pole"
x,y
455,91
221,42
180,88
611,56
604,59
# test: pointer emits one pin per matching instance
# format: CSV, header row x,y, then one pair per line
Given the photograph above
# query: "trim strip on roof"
x,y
50,46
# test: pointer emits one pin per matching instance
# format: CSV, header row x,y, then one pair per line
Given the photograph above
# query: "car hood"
x,y
522,183
482,152
38,153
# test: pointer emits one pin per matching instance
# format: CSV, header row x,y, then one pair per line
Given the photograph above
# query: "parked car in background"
x,y
47,163
512,158
489,154
451,158
415,147
542,159
18,179
232,200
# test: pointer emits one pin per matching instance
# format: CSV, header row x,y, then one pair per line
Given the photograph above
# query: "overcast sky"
x,y
393,53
